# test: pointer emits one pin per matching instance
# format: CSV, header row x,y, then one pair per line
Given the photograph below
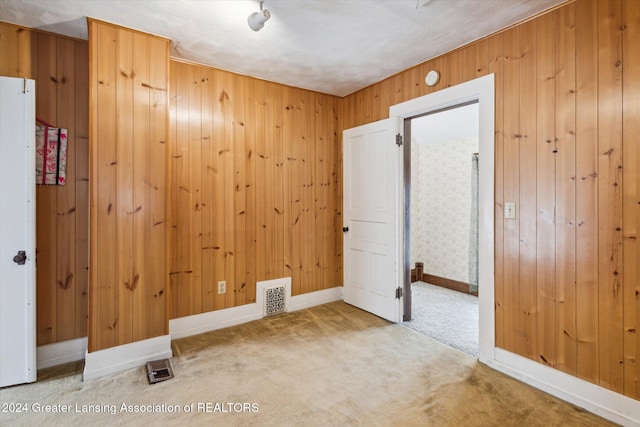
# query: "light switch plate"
x,y
510,210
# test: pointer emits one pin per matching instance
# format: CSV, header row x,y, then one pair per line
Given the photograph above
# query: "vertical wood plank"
x,y
269,176
514,326
124,208
527,192
289,127
103,309
66,195
82,187
227,161
156,263
482,57
261,181
545,182
295,113
209,285
587,365
318,142
219,246
468,66
306,131
279,178
141,178
194,209
328,231
250,160
27,54
610,195
172,304
240,194
46,198
10,52
452,69
631,197
566,189
159,156
496,62
181,270
338,191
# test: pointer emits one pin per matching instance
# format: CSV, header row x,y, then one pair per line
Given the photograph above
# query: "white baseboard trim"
x,y
605,403
61,352
210,321
311,299
116,359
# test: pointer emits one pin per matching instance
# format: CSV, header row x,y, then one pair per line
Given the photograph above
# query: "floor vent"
x,y
274,300
159,370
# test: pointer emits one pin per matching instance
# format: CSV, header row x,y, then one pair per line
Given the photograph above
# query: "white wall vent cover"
x,y
275,300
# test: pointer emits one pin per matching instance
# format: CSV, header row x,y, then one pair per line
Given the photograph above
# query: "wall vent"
x,y
274,300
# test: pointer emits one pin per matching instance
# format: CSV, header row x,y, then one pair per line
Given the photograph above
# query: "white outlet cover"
x,y
222,287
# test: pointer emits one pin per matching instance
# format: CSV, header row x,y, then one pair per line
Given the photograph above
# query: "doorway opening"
x,y
482,90
442,152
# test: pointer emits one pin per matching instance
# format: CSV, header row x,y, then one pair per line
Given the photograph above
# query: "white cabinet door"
x,y
371,176
17,232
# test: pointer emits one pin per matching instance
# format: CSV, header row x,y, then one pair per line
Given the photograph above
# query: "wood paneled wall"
x,y
59,66
256,188
129,176
567,127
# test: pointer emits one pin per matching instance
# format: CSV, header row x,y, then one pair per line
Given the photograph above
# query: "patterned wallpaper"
x,y
441,206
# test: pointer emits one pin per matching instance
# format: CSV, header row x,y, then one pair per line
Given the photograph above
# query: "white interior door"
x,y
370,165
17,231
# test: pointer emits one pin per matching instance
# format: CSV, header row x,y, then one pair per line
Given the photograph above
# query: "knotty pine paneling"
x,y
610,184
631,196
256,185
567,96
59,65
545,183
587,191
129,175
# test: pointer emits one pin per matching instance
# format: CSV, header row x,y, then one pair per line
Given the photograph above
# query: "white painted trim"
x,y
218,319
61,352
200,323
116,359
605,403
311,299
482,90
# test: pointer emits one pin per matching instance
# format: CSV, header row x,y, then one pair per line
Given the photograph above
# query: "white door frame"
x,y
482,90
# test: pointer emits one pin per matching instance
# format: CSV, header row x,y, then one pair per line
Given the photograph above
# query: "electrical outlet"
x,y
510,210
222,287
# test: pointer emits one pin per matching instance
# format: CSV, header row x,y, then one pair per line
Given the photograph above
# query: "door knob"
x,y
21,258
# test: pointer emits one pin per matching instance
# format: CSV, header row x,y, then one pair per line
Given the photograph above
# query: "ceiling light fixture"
x,y
257,19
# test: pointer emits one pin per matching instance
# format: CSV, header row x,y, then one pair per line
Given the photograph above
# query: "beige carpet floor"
x,y
332,365
445,315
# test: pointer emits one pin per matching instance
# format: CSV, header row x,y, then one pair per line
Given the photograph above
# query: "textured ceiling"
x,y
330,46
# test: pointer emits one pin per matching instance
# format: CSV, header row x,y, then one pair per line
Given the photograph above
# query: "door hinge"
x,y
399,293
398,140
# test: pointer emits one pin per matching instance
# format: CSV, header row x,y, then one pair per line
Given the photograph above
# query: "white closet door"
x,y
17,232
